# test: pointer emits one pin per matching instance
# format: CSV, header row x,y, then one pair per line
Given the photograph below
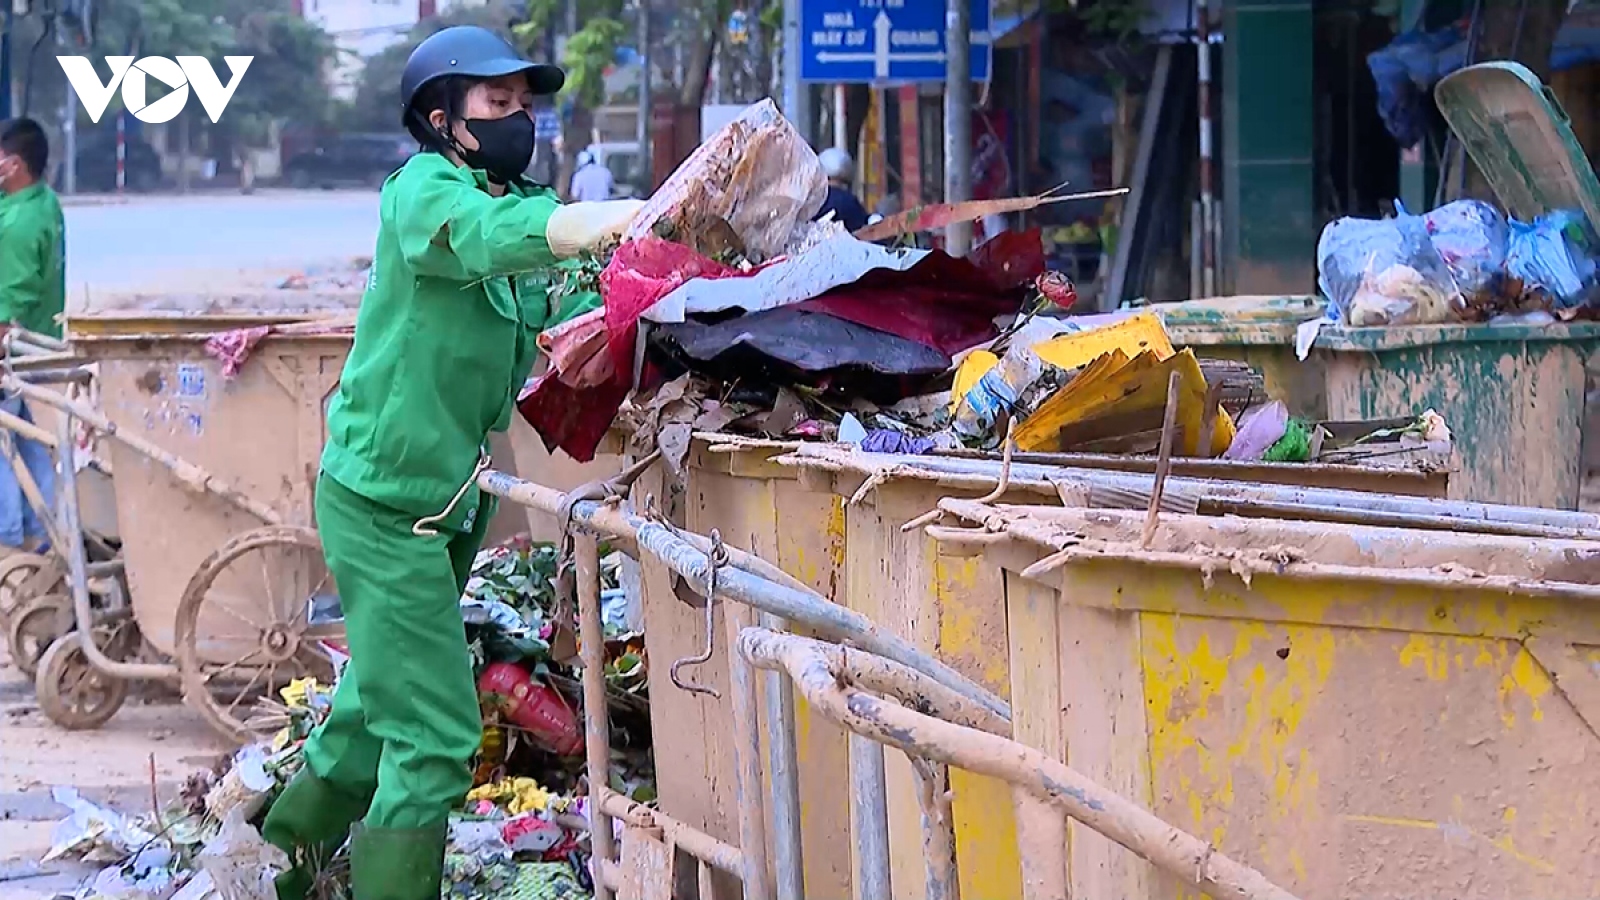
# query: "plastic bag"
x,y
245,787
997,391
757,173
1556,255
1470,236
92,832
242,866
1384,272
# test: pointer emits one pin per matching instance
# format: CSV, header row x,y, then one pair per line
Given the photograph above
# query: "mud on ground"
x,y
112,766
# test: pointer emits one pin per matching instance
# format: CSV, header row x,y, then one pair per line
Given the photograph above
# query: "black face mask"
x,y
505,146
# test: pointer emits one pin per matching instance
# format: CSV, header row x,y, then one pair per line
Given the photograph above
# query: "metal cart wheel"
x,y
38,626
25,576
72,692
268,643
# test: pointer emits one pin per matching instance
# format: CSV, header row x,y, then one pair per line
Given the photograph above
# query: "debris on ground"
x,y
522,829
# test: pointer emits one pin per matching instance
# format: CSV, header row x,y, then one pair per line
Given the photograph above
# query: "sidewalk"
x,y
168,195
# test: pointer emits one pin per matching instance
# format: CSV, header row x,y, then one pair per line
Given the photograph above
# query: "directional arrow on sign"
x,y
881,57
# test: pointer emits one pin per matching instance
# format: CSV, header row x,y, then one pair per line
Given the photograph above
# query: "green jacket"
x,y
33,259
445,337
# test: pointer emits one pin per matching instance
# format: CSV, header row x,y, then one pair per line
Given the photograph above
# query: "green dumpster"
x,y
1512,394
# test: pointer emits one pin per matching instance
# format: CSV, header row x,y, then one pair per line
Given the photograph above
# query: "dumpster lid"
x,y
221,299
1230,321
1521,139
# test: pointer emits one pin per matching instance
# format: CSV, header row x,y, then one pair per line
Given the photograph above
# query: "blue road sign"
x,y
874,41
546,125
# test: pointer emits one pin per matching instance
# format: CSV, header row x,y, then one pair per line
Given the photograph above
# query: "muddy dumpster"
x,y
883,692
1360,711
833,519
1512,394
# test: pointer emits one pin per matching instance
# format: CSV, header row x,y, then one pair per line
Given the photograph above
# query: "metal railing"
x,y
880,689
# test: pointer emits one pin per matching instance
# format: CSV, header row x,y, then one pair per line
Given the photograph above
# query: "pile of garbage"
x,y
523,828
727,309
1463,262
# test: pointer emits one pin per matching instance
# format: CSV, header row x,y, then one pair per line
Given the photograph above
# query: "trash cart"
x,y
834,518
211,410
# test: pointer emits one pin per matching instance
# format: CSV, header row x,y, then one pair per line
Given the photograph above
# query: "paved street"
x,y
148,241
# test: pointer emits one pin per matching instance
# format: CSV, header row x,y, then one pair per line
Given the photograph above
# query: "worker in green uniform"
x,y
32,296
444,340
33,275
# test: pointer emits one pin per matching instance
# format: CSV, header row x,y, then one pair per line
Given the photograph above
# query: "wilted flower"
x,y
1057,289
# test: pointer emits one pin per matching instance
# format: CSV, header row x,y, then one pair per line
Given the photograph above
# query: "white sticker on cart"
x,y
191,380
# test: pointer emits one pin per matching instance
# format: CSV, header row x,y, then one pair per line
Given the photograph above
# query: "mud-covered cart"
x,y
211,411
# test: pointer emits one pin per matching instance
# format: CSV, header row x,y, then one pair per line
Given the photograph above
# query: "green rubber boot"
x,y
397,863
309,821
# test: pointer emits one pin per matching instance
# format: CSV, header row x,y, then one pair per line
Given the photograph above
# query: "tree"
x,y
377,102
286,80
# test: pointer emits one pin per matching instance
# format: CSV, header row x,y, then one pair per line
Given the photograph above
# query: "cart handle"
x,y
80,570
72,375
188,474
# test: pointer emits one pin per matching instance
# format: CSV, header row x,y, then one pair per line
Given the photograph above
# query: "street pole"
x,y
69,137
5,63
796,100
646,178
841,107
122,151
958,120
1208,207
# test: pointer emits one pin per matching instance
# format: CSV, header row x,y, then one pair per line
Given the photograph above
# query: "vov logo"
x,y
132,77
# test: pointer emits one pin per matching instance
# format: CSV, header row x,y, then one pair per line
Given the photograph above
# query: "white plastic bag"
x,y
1384,272
241,864
756,173
91,832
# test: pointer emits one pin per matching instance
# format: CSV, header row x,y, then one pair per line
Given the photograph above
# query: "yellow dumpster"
x,y
834,518
1357,711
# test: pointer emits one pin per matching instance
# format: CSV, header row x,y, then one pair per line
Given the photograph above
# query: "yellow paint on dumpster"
x,y
972,638
1185,686
815,555
1521,676
1352,739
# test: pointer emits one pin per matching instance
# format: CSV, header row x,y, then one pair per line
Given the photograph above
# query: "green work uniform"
x,y
444,340
33,255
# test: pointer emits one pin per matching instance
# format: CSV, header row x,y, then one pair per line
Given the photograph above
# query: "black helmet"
x,y
476,53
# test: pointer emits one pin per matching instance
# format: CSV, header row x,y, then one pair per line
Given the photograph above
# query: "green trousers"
x,y
405,723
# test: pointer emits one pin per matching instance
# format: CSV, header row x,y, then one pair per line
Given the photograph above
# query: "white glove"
x,y
577,227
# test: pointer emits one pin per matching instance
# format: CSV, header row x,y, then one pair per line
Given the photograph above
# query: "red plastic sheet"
x,y
942,302
945,303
